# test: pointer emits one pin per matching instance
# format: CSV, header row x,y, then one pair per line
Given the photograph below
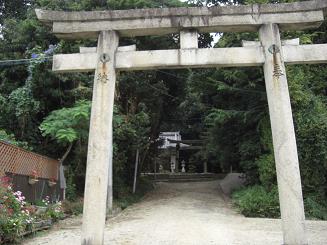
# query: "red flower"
x,y
5,181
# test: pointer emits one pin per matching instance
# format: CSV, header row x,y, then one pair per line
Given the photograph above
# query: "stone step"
x,y
185,177
195,176
186,180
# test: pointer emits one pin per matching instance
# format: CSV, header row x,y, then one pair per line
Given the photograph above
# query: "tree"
x,y
67,125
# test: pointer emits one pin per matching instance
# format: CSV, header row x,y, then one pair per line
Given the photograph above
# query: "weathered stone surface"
x,y
283,135
292,16
120,49
163,59
100,140
305,54
295,41
188,39
53,16
246,43
168,59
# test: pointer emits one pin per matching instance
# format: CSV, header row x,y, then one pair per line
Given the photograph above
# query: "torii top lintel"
x,y
160,21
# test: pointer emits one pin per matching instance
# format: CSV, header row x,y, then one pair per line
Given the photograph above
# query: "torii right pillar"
x,y
285,150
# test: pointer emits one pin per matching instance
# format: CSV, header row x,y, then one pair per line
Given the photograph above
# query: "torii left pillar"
x,y
100,140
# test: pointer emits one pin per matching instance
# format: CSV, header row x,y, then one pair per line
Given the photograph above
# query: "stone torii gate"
x,y
108,58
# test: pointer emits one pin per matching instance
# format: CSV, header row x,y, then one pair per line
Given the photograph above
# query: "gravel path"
x,y
192,213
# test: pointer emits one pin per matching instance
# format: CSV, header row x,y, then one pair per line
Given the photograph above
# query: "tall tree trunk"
x,y
63,158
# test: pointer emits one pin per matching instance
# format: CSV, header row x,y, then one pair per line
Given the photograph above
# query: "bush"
x,y
71,192
18,217
73,207
256,201
40,203
314,208
15,215
55,211
127,198
267,170
310,120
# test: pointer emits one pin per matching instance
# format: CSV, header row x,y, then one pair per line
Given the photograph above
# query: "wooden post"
x,y
100,143
135,171
285,150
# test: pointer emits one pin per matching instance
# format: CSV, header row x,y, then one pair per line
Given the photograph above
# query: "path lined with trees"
x,y
226,108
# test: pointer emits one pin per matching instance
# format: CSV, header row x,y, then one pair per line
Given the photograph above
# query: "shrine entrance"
x,y
108,58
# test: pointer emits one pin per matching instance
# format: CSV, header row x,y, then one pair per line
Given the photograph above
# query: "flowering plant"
x,y
55,211
46,201
52,180
18,217
15,216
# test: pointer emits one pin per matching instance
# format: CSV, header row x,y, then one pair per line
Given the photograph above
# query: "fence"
x,y
16,160
20,164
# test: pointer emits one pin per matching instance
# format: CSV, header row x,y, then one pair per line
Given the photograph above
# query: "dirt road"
x,y
192,213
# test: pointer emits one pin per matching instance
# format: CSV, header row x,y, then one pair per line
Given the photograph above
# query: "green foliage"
x,y
131,132
265,134
256,201
22,103
311,128
267,170
315,208
248,149
55,211
10,138
126,199
13,9
68,124
14,215
71,192
73,207
40,203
